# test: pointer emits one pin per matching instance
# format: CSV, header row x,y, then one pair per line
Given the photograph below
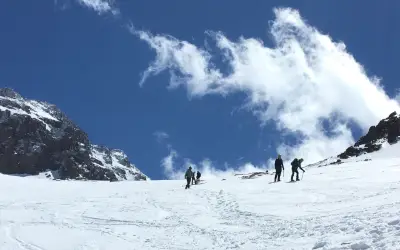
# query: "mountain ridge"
x,y
387,131
37,137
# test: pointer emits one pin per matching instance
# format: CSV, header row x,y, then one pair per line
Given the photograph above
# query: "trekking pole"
x,y
302,175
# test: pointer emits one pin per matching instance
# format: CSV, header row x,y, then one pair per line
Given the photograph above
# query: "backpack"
x,y
294,162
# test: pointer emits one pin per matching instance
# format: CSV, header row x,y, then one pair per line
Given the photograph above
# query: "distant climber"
x,y
295,165
188,177
278,168
193,179
198,175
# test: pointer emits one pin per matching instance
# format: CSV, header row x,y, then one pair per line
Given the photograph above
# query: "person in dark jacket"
x,y
188,177
197,177
193,179
295,165
278,168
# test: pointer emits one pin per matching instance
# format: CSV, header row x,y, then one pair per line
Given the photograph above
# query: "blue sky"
x,y
308,92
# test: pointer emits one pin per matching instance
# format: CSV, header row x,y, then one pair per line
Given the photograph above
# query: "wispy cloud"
x,y
398,96
175,169
168,165
160,136
100,6
305,81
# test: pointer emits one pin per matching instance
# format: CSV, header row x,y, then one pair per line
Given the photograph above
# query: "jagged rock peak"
x,y
387,130
37,137
8,92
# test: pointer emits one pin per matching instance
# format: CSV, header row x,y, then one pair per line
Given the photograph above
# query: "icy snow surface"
x,y
355,205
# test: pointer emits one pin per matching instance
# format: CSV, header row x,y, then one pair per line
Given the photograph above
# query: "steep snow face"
x,y
117,161
354,205
385,150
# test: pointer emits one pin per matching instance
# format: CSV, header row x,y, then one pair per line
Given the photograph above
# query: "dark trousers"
x,y
188,182
193,180
278,174
294,170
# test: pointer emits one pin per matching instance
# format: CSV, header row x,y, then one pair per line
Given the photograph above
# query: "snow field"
x,y
355,205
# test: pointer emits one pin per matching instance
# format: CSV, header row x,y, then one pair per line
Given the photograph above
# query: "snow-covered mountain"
x,y
386,132
354,205
36,137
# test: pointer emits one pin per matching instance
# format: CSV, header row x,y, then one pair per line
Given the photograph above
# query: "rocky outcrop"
x,y
36,137
252,175
387,130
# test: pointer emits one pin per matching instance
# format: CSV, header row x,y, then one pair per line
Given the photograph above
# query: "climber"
x,y
188,177
198,175
193,179
295,165
278,168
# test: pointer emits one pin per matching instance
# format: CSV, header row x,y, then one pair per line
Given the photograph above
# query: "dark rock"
x,y
8,92
336,162
252,175
37,137
387,130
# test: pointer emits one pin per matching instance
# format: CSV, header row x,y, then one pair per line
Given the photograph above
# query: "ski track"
x,y
349,206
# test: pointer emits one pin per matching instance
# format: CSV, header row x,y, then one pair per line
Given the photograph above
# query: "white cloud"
x,y
161,135
175,171
210,171
305,79
168,165
398,96
100,6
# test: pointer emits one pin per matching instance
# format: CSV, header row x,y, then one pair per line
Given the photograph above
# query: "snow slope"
x,y
354,205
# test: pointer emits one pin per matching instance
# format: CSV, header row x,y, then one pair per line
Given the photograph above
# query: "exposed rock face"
x,y
387,130
37,137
